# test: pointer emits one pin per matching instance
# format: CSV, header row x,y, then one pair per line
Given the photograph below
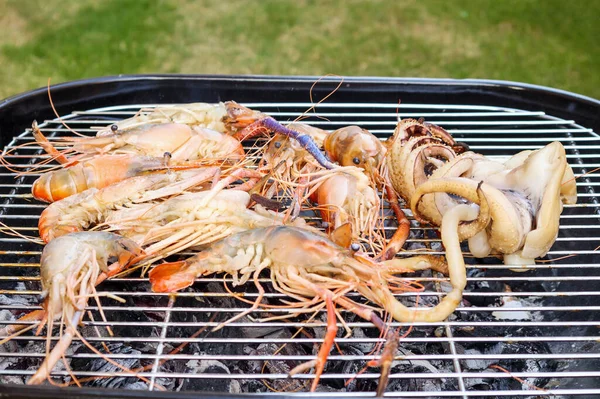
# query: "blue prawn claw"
x,y
270,125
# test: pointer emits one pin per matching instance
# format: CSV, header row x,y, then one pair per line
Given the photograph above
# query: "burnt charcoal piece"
x,y
102,366
524,365
277,366
195,367
478,286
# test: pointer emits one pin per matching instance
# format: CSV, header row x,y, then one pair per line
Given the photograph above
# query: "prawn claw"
x,y
171,277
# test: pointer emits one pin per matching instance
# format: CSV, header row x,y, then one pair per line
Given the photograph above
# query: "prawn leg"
x,y
401,234
42,315
385,362
57,352
70,267
319,362
9,330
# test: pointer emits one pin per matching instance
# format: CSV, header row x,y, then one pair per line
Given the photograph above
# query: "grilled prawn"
x,y
227,117
183,142
191,220
80,211
70,267
99,172
311,269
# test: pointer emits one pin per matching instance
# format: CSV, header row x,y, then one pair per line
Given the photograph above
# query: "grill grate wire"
x,y
557,341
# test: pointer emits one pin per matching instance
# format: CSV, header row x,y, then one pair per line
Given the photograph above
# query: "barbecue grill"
x,y
529,334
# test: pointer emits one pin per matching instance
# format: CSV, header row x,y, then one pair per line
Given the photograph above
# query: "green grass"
x,y
547,42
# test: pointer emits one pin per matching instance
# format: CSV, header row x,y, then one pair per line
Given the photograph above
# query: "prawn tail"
x,y
171,277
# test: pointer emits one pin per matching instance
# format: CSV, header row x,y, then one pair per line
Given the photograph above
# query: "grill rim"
x,y
17,112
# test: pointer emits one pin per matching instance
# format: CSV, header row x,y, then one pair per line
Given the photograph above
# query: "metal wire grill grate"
x,y
542,325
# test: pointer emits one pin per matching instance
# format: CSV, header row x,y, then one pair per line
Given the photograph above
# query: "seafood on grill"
x,y
316,272
99,172
130,180
70,268
525,195
79,212
290,154
182,142
191,220
416,149
342,196
348,198
353,145
227,117
305,136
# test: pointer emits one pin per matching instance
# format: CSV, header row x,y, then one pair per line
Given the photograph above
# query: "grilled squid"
x,y
520,200
525,197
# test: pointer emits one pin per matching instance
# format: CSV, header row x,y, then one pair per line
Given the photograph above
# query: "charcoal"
x,y
352,367
360,346
19,300
138,385
10,346
212,384
277,366
481,364
102,366
481,286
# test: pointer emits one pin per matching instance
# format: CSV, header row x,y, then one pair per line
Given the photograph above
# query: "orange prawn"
x,y
77,212
99,172
354,146
316,272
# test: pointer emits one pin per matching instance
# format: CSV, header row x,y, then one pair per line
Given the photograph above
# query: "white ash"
x,y
131,362
10,346
138,386
40,347
475,383
482,364
213,385
12,379
19,300
445,286
511,303
200,366
235,387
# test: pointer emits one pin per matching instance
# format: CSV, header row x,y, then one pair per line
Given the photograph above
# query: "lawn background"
x,y
548,42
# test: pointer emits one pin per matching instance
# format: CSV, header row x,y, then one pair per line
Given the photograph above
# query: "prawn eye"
x,y
278,144
114,128
355,247
356,160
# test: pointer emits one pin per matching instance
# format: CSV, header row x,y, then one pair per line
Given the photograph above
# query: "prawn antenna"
x,y
10,231
310,94
58,116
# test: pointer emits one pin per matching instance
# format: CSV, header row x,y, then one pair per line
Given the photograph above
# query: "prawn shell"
x,y
354,146
98,172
